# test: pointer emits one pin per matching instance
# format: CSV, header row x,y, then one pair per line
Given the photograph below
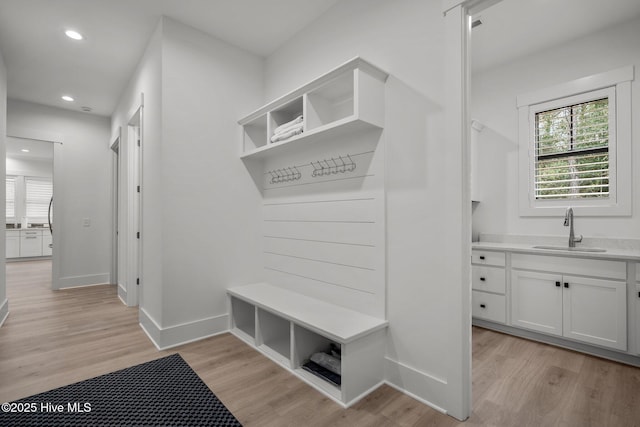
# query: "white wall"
x,y
200,211
147,81
29,167
4,304
494,104
83,190
406,38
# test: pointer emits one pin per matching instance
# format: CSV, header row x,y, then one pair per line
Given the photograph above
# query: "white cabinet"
x,y
488,283
595,311
536,301
12,243
47,243
591,310
348,98
30,243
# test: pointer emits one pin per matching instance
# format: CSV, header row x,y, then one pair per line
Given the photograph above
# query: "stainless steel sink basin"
x,y
568,249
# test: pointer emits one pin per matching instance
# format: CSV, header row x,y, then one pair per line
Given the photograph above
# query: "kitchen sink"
x,y
566,248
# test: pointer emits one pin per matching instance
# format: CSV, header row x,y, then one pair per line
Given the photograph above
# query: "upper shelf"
x,y
348,98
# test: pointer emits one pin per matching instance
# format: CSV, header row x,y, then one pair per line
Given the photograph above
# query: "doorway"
x,y
29,215
126,151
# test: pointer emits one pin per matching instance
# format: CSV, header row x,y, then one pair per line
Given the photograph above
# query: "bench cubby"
x,y
289,327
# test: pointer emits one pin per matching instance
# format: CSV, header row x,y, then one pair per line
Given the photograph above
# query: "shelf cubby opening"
x,y
284,114
306,343
244,317
275,334
255,134
331,102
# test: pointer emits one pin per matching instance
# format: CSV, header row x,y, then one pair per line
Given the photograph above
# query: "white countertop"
x,y
611,253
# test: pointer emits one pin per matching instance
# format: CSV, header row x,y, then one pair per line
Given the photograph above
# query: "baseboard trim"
x,y
4,311
86,280
604,353
173,336
421,386
122,293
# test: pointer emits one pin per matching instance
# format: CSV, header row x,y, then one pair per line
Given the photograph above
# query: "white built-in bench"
x,y
289,327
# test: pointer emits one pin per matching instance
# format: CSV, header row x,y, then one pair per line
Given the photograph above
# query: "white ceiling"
x,y
515,28
43,64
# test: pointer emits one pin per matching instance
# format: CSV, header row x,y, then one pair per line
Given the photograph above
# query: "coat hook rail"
x,y
333,166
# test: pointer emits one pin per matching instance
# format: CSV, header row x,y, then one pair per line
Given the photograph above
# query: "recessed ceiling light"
x,y
24,150
86,109
74,35
67,98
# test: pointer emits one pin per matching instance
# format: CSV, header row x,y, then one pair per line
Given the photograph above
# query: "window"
x,y
575,147
11,198
571,145
38,193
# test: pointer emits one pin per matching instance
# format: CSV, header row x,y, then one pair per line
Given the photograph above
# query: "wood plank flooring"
x,y
53,338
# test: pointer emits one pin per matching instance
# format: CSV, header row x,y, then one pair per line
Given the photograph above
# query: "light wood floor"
x,y
51,339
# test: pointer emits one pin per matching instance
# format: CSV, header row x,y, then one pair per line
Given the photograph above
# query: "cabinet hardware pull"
x,y
483,306
482,279
566,284
481,256
558,284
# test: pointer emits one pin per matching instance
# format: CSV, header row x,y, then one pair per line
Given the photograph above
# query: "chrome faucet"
x,y
568,222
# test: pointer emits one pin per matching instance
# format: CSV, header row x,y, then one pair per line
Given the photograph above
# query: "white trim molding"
x,y
85,280
4,311
171,336
422,386
618,83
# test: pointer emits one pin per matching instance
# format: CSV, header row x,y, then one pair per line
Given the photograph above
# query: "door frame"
x,y
58,144
457,14
115,201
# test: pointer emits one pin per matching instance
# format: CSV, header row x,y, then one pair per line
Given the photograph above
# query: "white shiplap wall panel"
x,y
322,210
324,236
355,278
339,233
357,256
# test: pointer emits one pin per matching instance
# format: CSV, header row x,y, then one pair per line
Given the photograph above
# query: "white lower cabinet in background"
x,y
30,243
12,243
585,309
47,243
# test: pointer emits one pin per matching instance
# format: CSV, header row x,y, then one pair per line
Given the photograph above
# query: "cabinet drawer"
x,y
571,265
24,233
489,306
481,257
490,279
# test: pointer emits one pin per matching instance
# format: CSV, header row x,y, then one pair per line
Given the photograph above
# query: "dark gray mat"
x,y
163,392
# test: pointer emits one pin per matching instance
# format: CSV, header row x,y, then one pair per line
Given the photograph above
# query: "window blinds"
x,y
572,151
11,197
38,194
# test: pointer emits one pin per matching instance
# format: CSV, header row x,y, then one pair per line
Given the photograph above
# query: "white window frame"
x,y
14,218
615,84
36,219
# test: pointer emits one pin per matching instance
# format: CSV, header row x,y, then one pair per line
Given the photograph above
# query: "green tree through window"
x,y
572,151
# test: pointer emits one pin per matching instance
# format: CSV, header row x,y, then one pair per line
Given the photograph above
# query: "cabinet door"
x,y
47,241
30,244
12,245
595,311
536,301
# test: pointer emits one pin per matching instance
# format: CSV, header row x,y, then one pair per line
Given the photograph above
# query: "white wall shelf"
x,y
350,97
290,327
